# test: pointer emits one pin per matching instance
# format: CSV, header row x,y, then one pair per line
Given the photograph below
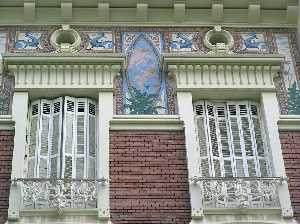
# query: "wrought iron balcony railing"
x,y
239,192
39,193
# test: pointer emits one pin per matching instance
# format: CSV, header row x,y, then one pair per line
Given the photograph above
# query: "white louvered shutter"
x,y
33,144
236,138
81,138
43,170
56,135
68,138
213,139
260,148
199,110
91,139
224,140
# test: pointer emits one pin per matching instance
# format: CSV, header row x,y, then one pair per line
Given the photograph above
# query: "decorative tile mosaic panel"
x,y
254,42
289,74
184,42
100,41
144,83
28,40
3,36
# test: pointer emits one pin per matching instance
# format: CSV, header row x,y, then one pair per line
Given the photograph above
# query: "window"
x,y
231,140
62,138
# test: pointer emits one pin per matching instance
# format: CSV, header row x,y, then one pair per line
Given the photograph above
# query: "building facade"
x,y
149,112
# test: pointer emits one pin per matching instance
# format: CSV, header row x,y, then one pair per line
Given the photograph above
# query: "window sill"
x,y
146,122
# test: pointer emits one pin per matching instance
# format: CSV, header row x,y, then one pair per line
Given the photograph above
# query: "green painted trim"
x,y
289,123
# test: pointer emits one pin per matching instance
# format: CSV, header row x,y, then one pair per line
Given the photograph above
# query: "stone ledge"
x,y
6,122
146,122
289,123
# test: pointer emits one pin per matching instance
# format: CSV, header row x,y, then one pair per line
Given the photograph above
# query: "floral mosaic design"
x,y
253,42
184,42
100,41
28,40
144,83
289,74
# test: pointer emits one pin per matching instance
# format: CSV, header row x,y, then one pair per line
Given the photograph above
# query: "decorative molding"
x,y
146,122
196,72
277,13
6,122
289,123
54,72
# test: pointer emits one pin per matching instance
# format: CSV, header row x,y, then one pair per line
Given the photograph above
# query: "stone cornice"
x,y
289,123
64,71
228,72
6,122
279,13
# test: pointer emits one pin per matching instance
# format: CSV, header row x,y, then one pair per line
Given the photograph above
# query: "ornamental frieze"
x,y
150,44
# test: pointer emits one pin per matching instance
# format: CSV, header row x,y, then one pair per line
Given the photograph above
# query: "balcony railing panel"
x,y
239,192
38,193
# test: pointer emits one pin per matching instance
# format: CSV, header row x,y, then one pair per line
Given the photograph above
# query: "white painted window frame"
x,y
43,71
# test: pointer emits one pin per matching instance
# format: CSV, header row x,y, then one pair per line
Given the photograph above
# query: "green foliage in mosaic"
x,y
293,100
142,103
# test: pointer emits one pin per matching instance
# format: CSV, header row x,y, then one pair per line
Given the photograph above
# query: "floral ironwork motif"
x,y
239,192
59,193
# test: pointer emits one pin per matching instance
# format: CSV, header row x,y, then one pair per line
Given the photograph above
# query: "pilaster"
x,y
270,109
19,115
185,107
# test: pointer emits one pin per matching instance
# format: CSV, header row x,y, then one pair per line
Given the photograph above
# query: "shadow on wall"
x,y
6,94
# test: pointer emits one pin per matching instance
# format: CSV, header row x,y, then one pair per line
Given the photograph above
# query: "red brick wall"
x,y
291,153
6,150
149,177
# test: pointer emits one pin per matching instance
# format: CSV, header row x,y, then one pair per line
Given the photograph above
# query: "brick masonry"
x,y
291,153
149,177
6,151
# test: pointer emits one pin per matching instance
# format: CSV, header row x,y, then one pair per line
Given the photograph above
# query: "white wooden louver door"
x,y
68,138
199,111
56,136
216,167
91,139
33,144
81,138
260,148
43,170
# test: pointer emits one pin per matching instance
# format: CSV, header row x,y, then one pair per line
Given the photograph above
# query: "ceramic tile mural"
x,y
144,83
2,48
2,42
100,41
183,42
28,40
289,74
253,42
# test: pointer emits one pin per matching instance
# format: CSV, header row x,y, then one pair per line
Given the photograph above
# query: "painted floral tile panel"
x,y
28,40
254,42
100,41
